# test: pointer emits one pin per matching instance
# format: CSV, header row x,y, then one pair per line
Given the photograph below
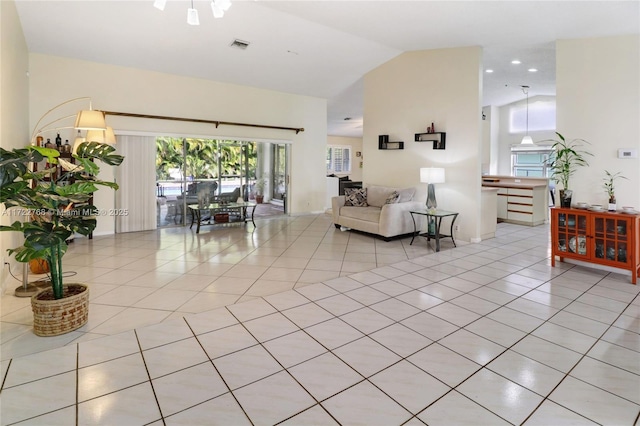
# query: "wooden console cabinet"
x,y
601,237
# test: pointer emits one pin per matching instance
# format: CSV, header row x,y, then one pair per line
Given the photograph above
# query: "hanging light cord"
x,y
525,90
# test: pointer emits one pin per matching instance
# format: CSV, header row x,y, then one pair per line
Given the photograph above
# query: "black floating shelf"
x,y
384,143
439,139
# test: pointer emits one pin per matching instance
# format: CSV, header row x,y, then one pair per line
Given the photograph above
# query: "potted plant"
x,y
565,159
260,185
55,202
608,185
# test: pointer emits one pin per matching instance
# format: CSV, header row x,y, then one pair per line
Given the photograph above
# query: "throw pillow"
x,y
393,198
356,197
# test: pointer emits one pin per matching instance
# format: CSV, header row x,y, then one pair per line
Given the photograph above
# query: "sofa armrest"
x,y
395,219
336,203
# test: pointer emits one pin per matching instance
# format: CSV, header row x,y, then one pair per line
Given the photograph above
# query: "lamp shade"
x,y
95,136
527,140
76,144
90,120
109,136
432,175
106,136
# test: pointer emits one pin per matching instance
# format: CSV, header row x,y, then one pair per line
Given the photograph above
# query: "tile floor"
x,y
334,328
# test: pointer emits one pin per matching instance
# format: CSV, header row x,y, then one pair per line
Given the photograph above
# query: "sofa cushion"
x,y
393,198
377,195
356,197
368,214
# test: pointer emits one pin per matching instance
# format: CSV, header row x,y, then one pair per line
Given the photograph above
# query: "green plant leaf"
x,y
86,188
14,164
25,254
100,151
50,153
88,165
39,238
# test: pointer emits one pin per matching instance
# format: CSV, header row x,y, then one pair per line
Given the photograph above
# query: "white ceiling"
x,y
319,47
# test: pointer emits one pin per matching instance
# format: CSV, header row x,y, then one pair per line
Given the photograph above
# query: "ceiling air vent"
x,y
240,44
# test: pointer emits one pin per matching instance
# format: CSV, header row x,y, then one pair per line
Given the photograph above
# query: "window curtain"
x,y
136,176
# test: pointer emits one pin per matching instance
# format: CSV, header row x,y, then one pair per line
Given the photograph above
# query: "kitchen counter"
x,y
520,200
523,185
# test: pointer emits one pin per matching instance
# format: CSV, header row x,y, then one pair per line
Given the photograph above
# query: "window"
x,y
531,162
338,159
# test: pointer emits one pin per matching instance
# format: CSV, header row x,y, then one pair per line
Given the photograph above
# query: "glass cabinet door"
x,y
611,239
572,233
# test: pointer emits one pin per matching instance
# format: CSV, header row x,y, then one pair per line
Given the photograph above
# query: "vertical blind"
x,y
136,176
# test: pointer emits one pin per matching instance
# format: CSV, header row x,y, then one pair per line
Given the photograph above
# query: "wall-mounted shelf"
x,y
384,143
439,139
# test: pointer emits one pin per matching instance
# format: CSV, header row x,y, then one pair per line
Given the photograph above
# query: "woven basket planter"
x,y
54,317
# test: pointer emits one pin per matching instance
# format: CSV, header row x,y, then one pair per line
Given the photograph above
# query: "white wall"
x,y
356,146
506,139
598,99
14,116
114,88
490,139
403,97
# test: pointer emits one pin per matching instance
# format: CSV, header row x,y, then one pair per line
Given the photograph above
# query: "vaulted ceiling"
x,y
323,48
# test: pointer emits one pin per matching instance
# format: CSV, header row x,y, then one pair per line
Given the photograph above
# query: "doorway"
x,y
196,170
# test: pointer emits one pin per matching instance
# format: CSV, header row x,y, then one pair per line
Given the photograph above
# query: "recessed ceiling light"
x,y
516,62
489,71
532,70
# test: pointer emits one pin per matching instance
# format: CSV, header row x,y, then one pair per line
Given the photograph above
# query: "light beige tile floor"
x,y
296,322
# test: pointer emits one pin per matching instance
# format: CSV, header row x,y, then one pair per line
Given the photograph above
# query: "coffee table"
x,y
238,210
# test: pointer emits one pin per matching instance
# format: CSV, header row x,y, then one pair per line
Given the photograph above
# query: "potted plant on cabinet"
x,y
56,202
609,182
565,159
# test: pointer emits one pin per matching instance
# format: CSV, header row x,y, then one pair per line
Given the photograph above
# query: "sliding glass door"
x,y
189,170
280,172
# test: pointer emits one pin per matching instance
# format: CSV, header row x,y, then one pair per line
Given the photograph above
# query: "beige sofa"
x,y
385,220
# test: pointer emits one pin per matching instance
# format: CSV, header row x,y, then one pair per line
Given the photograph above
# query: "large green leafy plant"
x,y
55,203
566,157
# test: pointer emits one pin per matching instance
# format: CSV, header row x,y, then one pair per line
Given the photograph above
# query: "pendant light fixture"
x,y
527,140
218,7
192,15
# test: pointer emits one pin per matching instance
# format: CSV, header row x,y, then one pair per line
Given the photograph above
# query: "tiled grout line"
x,y
286,369
77,405
146,368
526,335
520,296
583,355
218,372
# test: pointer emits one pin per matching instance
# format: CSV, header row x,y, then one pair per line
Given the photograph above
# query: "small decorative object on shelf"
x,y
609,186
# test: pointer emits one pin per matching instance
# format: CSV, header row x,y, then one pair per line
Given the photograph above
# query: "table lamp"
x,y
431,175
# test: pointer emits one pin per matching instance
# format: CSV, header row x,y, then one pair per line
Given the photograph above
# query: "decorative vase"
x,y
565,197
52,317
38,266
612,205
